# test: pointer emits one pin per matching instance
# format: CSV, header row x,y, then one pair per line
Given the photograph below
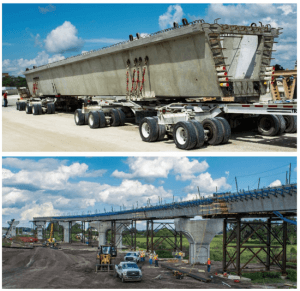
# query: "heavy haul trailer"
x,y
181,82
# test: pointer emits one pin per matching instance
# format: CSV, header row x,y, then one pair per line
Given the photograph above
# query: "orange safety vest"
x,y
208,262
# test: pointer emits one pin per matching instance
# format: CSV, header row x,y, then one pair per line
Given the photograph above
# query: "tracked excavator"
x,y
106,255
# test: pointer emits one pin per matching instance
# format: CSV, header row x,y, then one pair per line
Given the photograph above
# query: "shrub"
x,y
292,275
164,254
293,251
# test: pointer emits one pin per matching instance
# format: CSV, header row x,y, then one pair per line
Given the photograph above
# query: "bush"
x,y
164,254
262,275
293,251
292,275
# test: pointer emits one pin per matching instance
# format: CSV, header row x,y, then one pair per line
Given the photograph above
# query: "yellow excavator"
x,y
51,241
106,258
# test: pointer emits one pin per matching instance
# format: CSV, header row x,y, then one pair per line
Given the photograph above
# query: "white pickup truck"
x,y
132,256
128,271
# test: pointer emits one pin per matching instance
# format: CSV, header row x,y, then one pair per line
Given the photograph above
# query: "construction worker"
x,y
180,255
142,256
150,259
176,255
156,260
5,99
208,265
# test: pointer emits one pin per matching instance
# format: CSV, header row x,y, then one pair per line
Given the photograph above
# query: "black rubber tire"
x,y
215,128
102,120
226,129
18,105
79,117
282,125
28,109
149,129
39,106
35,110
199,132
268,125
123,280
161,130
115,117
291,123
94,119
190,135
86,118
49,108
22,106
53,108
122,116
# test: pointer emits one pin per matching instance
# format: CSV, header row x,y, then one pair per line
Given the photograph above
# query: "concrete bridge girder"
x,y
199,234
104,226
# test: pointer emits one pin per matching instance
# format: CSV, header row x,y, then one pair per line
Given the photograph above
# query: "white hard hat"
x,y
6,91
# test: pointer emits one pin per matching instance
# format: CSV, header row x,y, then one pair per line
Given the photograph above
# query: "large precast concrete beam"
x,y
199,234
103,227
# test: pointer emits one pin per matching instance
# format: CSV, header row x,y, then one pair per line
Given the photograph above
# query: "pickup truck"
x,y
132,256
128,271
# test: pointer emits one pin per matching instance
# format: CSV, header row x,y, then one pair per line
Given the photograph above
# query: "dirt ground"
x,y
73,267
23,132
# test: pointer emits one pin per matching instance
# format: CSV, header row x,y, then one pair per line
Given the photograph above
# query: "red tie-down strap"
x,y
127,81
34,87
143,79
132,81
137,80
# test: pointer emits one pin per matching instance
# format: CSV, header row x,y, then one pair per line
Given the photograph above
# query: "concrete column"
x,y
39,229
199,234
103,227
12,229
66,226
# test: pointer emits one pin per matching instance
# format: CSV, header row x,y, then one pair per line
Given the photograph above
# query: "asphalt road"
x,y
23,132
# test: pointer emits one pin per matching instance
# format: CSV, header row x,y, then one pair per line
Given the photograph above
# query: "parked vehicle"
x,y
132,256
128,271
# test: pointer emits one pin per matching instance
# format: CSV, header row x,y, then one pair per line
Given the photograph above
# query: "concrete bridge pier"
x,y
103,227
199,234
39,229
67,225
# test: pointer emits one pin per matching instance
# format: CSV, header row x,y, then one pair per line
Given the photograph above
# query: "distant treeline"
x,y
11,81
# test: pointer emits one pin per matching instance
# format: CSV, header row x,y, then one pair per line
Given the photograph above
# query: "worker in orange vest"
x,y
5,99
208,265
156,260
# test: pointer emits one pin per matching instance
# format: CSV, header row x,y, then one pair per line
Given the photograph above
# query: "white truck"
x,y
132,256
192,83
128,271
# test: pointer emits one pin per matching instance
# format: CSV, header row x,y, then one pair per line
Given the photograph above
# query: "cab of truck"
x,y
128,271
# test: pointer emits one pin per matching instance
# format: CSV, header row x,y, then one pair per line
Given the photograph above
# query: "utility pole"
x,y
258,183
290,173
236,184
286,178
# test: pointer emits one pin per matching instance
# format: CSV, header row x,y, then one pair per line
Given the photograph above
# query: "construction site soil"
x,y
73,267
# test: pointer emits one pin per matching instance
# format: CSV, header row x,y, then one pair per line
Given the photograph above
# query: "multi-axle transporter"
x,y
192,82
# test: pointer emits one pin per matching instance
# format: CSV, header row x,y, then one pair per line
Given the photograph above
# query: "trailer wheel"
x,y
161,130
53,108
214,126
79,117
102,120
122,116
49,108
185,136
226,129
22,106
148,129
268,125
94,119
199,132
291,123
35,110
86,118
28,109
115,117
18,105
39,106
282,125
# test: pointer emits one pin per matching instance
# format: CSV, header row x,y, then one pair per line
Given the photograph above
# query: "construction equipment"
x,y
51,241
191,82
106,255
177,274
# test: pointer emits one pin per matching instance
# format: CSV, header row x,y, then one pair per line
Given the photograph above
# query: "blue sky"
x,y
57,186
36,34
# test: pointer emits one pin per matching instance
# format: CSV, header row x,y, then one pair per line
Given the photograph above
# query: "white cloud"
x,y
83,52
207,185
227,173
287,9
275,183
36,39
36,210
63,38
6,44
151,168
6,174
48,8
173,14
